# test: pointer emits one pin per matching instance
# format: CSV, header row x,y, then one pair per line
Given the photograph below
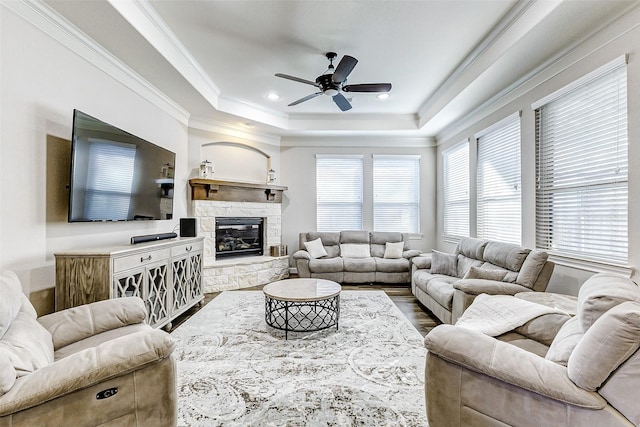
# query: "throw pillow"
x,y
485,274
354,250
565,341
605,346
28,344
442,263
393,250
315,248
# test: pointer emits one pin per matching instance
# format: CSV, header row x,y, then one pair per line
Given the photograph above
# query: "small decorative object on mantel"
x,y
206,170
271,177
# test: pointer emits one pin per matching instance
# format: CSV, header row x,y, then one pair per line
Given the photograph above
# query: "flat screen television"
x,y
116,176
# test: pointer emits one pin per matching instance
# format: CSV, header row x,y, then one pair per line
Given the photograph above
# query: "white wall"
x,y
297,157
613,42
41,82
240,158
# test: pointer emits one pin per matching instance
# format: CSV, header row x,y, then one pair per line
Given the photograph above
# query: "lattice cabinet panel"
x,y
167,275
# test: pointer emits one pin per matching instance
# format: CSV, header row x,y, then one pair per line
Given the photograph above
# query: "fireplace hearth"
x,y
239,236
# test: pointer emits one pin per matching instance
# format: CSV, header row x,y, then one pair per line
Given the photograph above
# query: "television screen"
x,y
116,176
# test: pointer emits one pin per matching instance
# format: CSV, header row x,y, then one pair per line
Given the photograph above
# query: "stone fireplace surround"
x,y
239,272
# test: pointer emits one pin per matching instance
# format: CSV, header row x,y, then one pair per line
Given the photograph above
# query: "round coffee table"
x,y
302,305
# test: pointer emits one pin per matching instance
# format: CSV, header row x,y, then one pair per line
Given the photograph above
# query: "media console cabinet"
x,y
166,274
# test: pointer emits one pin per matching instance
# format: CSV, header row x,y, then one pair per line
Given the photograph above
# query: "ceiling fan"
x,y
333,82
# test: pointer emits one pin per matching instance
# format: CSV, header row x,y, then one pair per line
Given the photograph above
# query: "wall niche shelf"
x,y
231,191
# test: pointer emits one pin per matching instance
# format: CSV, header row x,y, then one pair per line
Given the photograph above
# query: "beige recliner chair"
x,y
97,364
554,370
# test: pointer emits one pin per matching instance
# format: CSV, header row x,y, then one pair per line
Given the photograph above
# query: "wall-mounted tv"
x,y
116,176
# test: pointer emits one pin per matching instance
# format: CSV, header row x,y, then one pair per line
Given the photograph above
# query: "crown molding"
x,y
510,19
47,20
144,18
552,67
359,141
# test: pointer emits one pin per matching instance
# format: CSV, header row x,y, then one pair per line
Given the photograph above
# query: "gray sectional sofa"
x,y
554,370
448,283
355,256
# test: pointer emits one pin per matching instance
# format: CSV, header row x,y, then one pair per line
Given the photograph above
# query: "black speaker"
x,y
152,237
188,227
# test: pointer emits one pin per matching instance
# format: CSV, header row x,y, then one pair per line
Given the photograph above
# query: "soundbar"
x,y
152,237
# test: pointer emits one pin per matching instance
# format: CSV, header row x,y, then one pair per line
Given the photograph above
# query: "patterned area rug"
x,y
235,370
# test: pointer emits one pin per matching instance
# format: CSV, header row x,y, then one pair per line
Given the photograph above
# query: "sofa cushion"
x,y
509,277
354,250
505,255
392,265
393,250
531,268
441,290
602,292
605,345
486,274
565,342
330,241
315,248
442,263
379,239
359,265
355,236
11,299
471,247
465,263
28,345
326,265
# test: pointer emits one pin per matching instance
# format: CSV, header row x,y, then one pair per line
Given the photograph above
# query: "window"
x,y
498,182
338,193
396,193
582,168
109,187
456,191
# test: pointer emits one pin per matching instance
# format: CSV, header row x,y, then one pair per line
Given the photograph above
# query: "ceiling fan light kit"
x,y
332,82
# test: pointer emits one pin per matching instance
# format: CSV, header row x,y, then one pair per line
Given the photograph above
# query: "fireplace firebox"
x,y
239,236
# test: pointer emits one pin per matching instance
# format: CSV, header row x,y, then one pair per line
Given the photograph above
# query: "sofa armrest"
x,y
422,261
86,368
77,323
507,363
411,253
301,254
491,287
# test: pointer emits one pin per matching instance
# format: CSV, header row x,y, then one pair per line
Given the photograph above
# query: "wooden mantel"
x,y
231,191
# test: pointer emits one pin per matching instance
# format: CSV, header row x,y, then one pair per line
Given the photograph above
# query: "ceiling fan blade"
x,y
306,98
296,79
342,102
368,87
344,68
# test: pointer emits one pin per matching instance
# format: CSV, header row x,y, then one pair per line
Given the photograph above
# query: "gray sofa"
x,y
554,370
368,265
448,283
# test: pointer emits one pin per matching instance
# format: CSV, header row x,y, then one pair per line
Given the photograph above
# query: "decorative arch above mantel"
x,y
230,191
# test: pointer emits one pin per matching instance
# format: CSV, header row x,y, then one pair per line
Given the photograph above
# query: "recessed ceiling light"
x,y
273,96
383,96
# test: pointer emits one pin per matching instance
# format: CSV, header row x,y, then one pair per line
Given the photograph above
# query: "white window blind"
x,y
396,193
582,170
338,193
499,182
111,168
456,191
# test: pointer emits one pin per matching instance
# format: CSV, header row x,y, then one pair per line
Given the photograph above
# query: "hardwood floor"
x,y
419,316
